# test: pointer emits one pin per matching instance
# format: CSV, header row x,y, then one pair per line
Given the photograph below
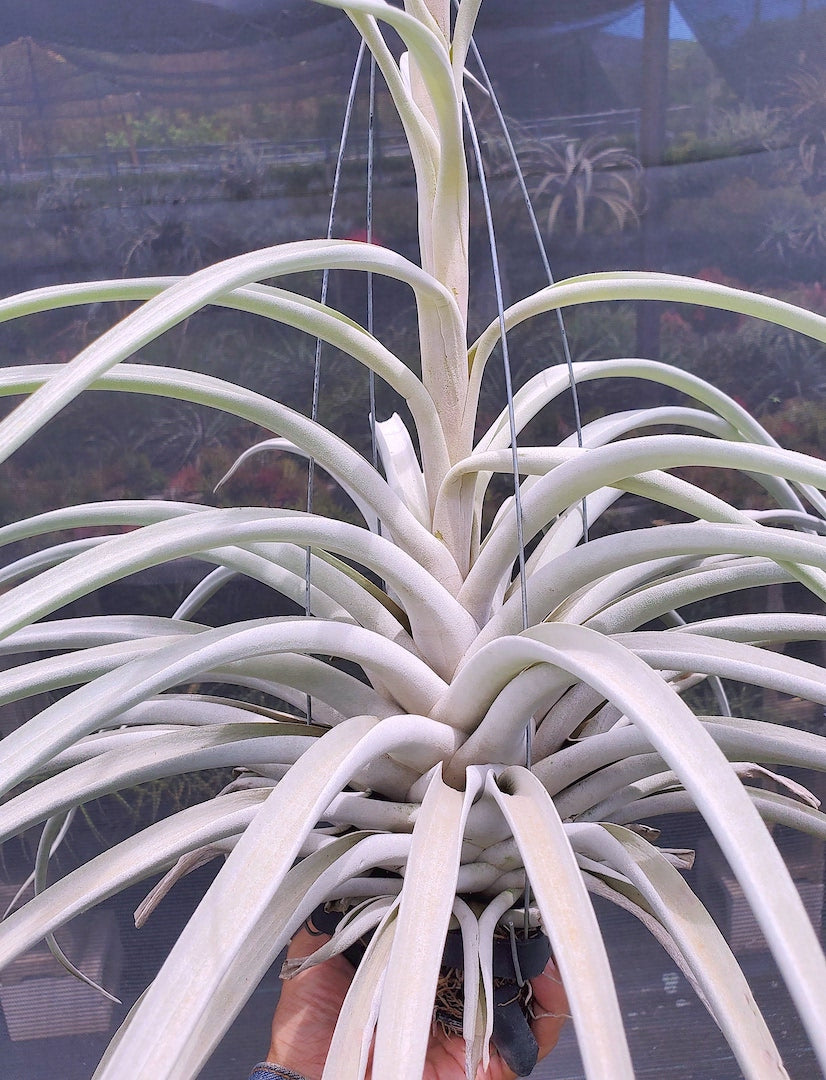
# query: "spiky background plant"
x,y
408,794
575,180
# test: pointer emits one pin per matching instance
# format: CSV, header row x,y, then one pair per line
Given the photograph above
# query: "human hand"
x,y
308,1009
446,1053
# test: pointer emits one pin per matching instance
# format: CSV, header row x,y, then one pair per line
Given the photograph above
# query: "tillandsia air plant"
x,y
576,180
498,699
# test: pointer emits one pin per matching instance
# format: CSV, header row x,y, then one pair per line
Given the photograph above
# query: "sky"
x,y
631,25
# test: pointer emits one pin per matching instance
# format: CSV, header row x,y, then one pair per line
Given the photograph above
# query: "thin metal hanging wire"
x,y
540,244
371,148
371,157
500,307
566,350
517,492
325,281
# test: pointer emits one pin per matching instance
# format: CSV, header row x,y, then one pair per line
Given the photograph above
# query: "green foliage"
x,y
742,129
170,127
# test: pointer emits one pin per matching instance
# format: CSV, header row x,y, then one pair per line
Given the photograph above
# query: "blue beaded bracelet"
x,y
268,1070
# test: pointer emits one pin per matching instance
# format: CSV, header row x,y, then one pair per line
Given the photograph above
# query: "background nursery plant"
x,y
486,698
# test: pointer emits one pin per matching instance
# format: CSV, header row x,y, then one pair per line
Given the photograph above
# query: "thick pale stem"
x,y
443,232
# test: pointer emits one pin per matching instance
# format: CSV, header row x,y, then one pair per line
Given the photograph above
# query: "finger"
x,y
550,1008
304,943
498,1067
